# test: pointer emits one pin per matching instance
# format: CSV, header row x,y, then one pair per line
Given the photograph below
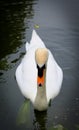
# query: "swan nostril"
x,y
40,85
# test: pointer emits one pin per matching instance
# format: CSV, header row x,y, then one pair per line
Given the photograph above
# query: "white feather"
x,y
26,73
27,46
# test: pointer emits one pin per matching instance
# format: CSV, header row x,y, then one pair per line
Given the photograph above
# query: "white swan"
x,y
39,77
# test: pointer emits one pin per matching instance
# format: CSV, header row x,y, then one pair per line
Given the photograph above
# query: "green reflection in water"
x,y
9,61
15,17
14,23
39,121
4,64
77,127
23,117
58,127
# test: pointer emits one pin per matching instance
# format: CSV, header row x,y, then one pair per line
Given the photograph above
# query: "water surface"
x,y
59,28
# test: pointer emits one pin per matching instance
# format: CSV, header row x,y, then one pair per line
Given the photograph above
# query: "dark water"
x,y
59,28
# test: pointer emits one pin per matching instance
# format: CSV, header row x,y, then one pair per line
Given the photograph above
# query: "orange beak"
x,y
40,80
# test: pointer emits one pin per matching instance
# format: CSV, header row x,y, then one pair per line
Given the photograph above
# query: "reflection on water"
x,y
13,15
4,64
57,24
24,114
40,120
14,22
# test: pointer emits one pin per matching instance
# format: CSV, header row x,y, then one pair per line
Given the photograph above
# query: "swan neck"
x,y
41,99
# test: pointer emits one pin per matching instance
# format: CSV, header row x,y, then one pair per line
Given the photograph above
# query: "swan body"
x,y
48,72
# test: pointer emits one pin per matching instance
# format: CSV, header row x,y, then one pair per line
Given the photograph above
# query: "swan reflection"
x,y
23,117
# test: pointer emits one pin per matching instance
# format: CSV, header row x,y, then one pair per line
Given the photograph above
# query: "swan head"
x,y
41,57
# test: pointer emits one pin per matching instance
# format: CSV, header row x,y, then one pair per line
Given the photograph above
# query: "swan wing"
x,y
36,40
54,78
26,74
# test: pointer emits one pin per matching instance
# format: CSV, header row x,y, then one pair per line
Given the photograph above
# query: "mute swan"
x,y
39,77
